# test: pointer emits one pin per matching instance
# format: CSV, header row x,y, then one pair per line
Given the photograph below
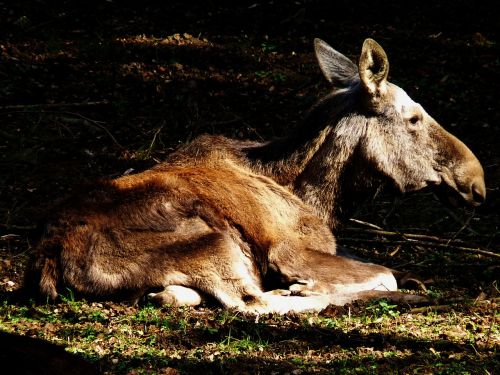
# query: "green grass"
x,y
374,339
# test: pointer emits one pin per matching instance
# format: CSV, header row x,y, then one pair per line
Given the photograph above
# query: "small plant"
x,y
13,314
328,322
69,296
263,73
382,308
268,47
279,77
89,334
275,75
23,22
433,293
241,345
299,362
46,313
148,314
227,316
98,316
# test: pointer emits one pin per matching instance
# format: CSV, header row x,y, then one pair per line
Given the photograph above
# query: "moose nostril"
x,y
478,193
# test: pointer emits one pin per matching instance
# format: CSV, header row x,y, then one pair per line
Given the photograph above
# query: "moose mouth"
x,y
450,196
447,190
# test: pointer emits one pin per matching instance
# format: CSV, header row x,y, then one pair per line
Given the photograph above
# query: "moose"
x,y
250,224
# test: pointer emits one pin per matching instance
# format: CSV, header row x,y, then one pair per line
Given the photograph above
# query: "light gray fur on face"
x,y
399,143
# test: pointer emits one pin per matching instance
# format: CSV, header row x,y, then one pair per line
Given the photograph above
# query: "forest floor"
x,y
99,89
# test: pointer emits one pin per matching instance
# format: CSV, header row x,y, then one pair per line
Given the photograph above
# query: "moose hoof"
x,y
278,292
307,288
176,295
409,281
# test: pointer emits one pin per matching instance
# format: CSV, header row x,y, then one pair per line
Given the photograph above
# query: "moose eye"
x,y
414,119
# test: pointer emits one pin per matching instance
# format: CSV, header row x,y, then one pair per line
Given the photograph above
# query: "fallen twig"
x,y
416,239
6,135
464,225
87,121
98,124
18,227
450,306
414,236
435,308
410,241
9,236
42,106
366,224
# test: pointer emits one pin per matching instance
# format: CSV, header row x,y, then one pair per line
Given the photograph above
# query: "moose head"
x,y
380,134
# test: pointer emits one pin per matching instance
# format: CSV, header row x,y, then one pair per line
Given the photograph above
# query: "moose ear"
x,y
336,68
373,67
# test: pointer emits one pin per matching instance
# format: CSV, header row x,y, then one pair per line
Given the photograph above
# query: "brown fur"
x,y
237,220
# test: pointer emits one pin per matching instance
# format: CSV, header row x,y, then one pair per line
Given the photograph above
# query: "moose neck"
x,y
321,162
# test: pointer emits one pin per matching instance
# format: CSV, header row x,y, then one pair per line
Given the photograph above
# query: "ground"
x,y
99,89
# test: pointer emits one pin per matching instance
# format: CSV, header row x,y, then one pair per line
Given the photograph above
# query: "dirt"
x,y
99,89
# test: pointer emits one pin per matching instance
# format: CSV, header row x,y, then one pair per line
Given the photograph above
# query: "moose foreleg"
x,y
320,272
405,280
313,273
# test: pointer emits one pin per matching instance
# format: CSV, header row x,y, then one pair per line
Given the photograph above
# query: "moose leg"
x,y
219,265
326,273
222,266
405,280
311,272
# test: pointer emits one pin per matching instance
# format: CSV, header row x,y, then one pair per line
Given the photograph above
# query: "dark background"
x,y
97,88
